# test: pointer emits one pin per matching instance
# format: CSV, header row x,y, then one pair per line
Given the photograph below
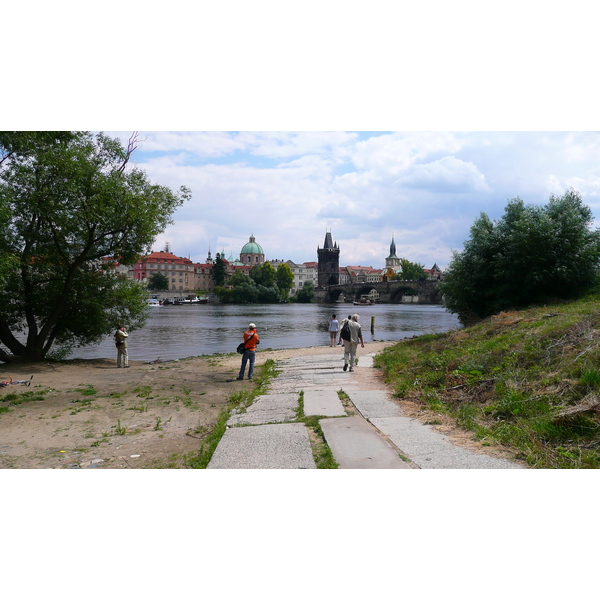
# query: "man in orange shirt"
x,y
250,342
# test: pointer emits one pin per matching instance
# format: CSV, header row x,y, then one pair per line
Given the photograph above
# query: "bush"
x,y
533,254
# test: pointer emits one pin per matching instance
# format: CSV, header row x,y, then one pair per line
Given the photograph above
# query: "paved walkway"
x,y
267,435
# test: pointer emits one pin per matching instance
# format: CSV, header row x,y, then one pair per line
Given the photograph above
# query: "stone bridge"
x,y
390,292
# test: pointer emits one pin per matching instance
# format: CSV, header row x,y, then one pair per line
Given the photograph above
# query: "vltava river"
x,y
182,331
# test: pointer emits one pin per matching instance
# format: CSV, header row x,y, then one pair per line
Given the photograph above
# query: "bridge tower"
x,y
329,263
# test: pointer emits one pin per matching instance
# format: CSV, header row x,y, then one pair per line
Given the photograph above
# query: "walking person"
x,y
334,327
121,336
351,344
342,327
251,340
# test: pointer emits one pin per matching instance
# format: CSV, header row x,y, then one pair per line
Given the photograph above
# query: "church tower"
x,y
329,263
392,261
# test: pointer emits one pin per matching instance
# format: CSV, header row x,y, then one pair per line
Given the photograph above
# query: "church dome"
x,y
252,247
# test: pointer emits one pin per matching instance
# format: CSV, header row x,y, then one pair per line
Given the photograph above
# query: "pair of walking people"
x,y
351,335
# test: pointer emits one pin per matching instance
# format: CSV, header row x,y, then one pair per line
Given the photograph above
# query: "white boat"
x,y
152,302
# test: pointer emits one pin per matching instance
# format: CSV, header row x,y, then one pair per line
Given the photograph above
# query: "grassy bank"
x,y
528,381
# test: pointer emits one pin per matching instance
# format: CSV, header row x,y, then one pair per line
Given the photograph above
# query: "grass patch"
x,y
241,399
322,454
88,390
525,380
14,398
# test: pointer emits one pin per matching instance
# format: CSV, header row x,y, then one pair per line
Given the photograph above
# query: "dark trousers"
x,y
248,356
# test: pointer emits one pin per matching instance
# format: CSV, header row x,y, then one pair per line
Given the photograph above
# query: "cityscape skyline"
x,y
425,189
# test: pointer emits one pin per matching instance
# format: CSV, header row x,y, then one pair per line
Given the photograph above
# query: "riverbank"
x,y
89,414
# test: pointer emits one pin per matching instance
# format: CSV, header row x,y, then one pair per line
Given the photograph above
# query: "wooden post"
x,y
372,324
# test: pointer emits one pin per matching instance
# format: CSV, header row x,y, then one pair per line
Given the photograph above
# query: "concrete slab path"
x,y
279,446
268,435
356,444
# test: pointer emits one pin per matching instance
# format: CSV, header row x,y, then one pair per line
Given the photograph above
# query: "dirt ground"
x,y
94,415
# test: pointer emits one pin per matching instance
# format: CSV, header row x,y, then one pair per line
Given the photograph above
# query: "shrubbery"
x,y
533,254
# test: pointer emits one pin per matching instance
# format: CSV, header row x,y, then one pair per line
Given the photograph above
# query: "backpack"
x,y
345,334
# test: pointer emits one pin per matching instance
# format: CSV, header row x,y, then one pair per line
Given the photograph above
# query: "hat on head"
x,y
252,326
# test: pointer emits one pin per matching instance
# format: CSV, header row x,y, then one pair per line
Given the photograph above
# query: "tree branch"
x,y
132,146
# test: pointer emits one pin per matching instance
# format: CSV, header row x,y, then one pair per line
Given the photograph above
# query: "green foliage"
x,y
533,254
521,380
410,271
219,272
284,279
14,398
306,293
158,281
258,286
72,199
263,274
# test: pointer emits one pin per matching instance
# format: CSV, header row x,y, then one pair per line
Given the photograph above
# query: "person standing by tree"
x,y
67,201
334,327
121,336
251,340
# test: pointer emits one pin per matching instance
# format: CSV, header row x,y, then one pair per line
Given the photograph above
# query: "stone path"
x,y
268,435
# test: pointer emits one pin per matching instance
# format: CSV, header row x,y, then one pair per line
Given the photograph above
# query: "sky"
x,y
287,121
423,188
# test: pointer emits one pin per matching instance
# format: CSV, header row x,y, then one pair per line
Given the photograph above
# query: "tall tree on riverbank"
x,y
71,199
284,279
532,254
219,271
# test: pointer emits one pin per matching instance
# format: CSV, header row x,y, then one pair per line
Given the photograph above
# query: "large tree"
x,y
532,254
284,279
72,199
306,293
219,272
158,282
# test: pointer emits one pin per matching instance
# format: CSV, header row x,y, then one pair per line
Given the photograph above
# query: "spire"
x,y
392,248
328,242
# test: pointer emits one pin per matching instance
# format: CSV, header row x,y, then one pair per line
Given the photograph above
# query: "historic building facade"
x,y
179,271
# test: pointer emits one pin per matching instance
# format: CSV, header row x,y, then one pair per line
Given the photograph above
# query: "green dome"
x,y
252,247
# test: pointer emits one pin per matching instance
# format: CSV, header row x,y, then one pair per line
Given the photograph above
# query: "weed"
x,y
590,379
143,392
322,454
120,429
89,390
158,426
14,399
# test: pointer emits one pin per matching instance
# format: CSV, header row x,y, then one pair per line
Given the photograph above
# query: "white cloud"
x,y
448,174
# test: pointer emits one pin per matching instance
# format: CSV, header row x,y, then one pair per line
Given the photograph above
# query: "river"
x,y
174,332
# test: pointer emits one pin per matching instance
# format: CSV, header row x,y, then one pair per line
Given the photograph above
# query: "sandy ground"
x,y
94,415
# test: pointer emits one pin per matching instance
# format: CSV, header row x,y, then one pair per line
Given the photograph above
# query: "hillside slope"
x,y
528,381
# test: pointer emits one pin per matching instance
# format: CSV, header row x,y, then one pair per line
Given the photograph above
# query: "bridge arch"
x,y
397,294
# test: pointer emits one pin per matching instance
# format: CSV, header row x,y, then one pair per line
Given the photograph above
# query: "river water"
x,y
181,331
